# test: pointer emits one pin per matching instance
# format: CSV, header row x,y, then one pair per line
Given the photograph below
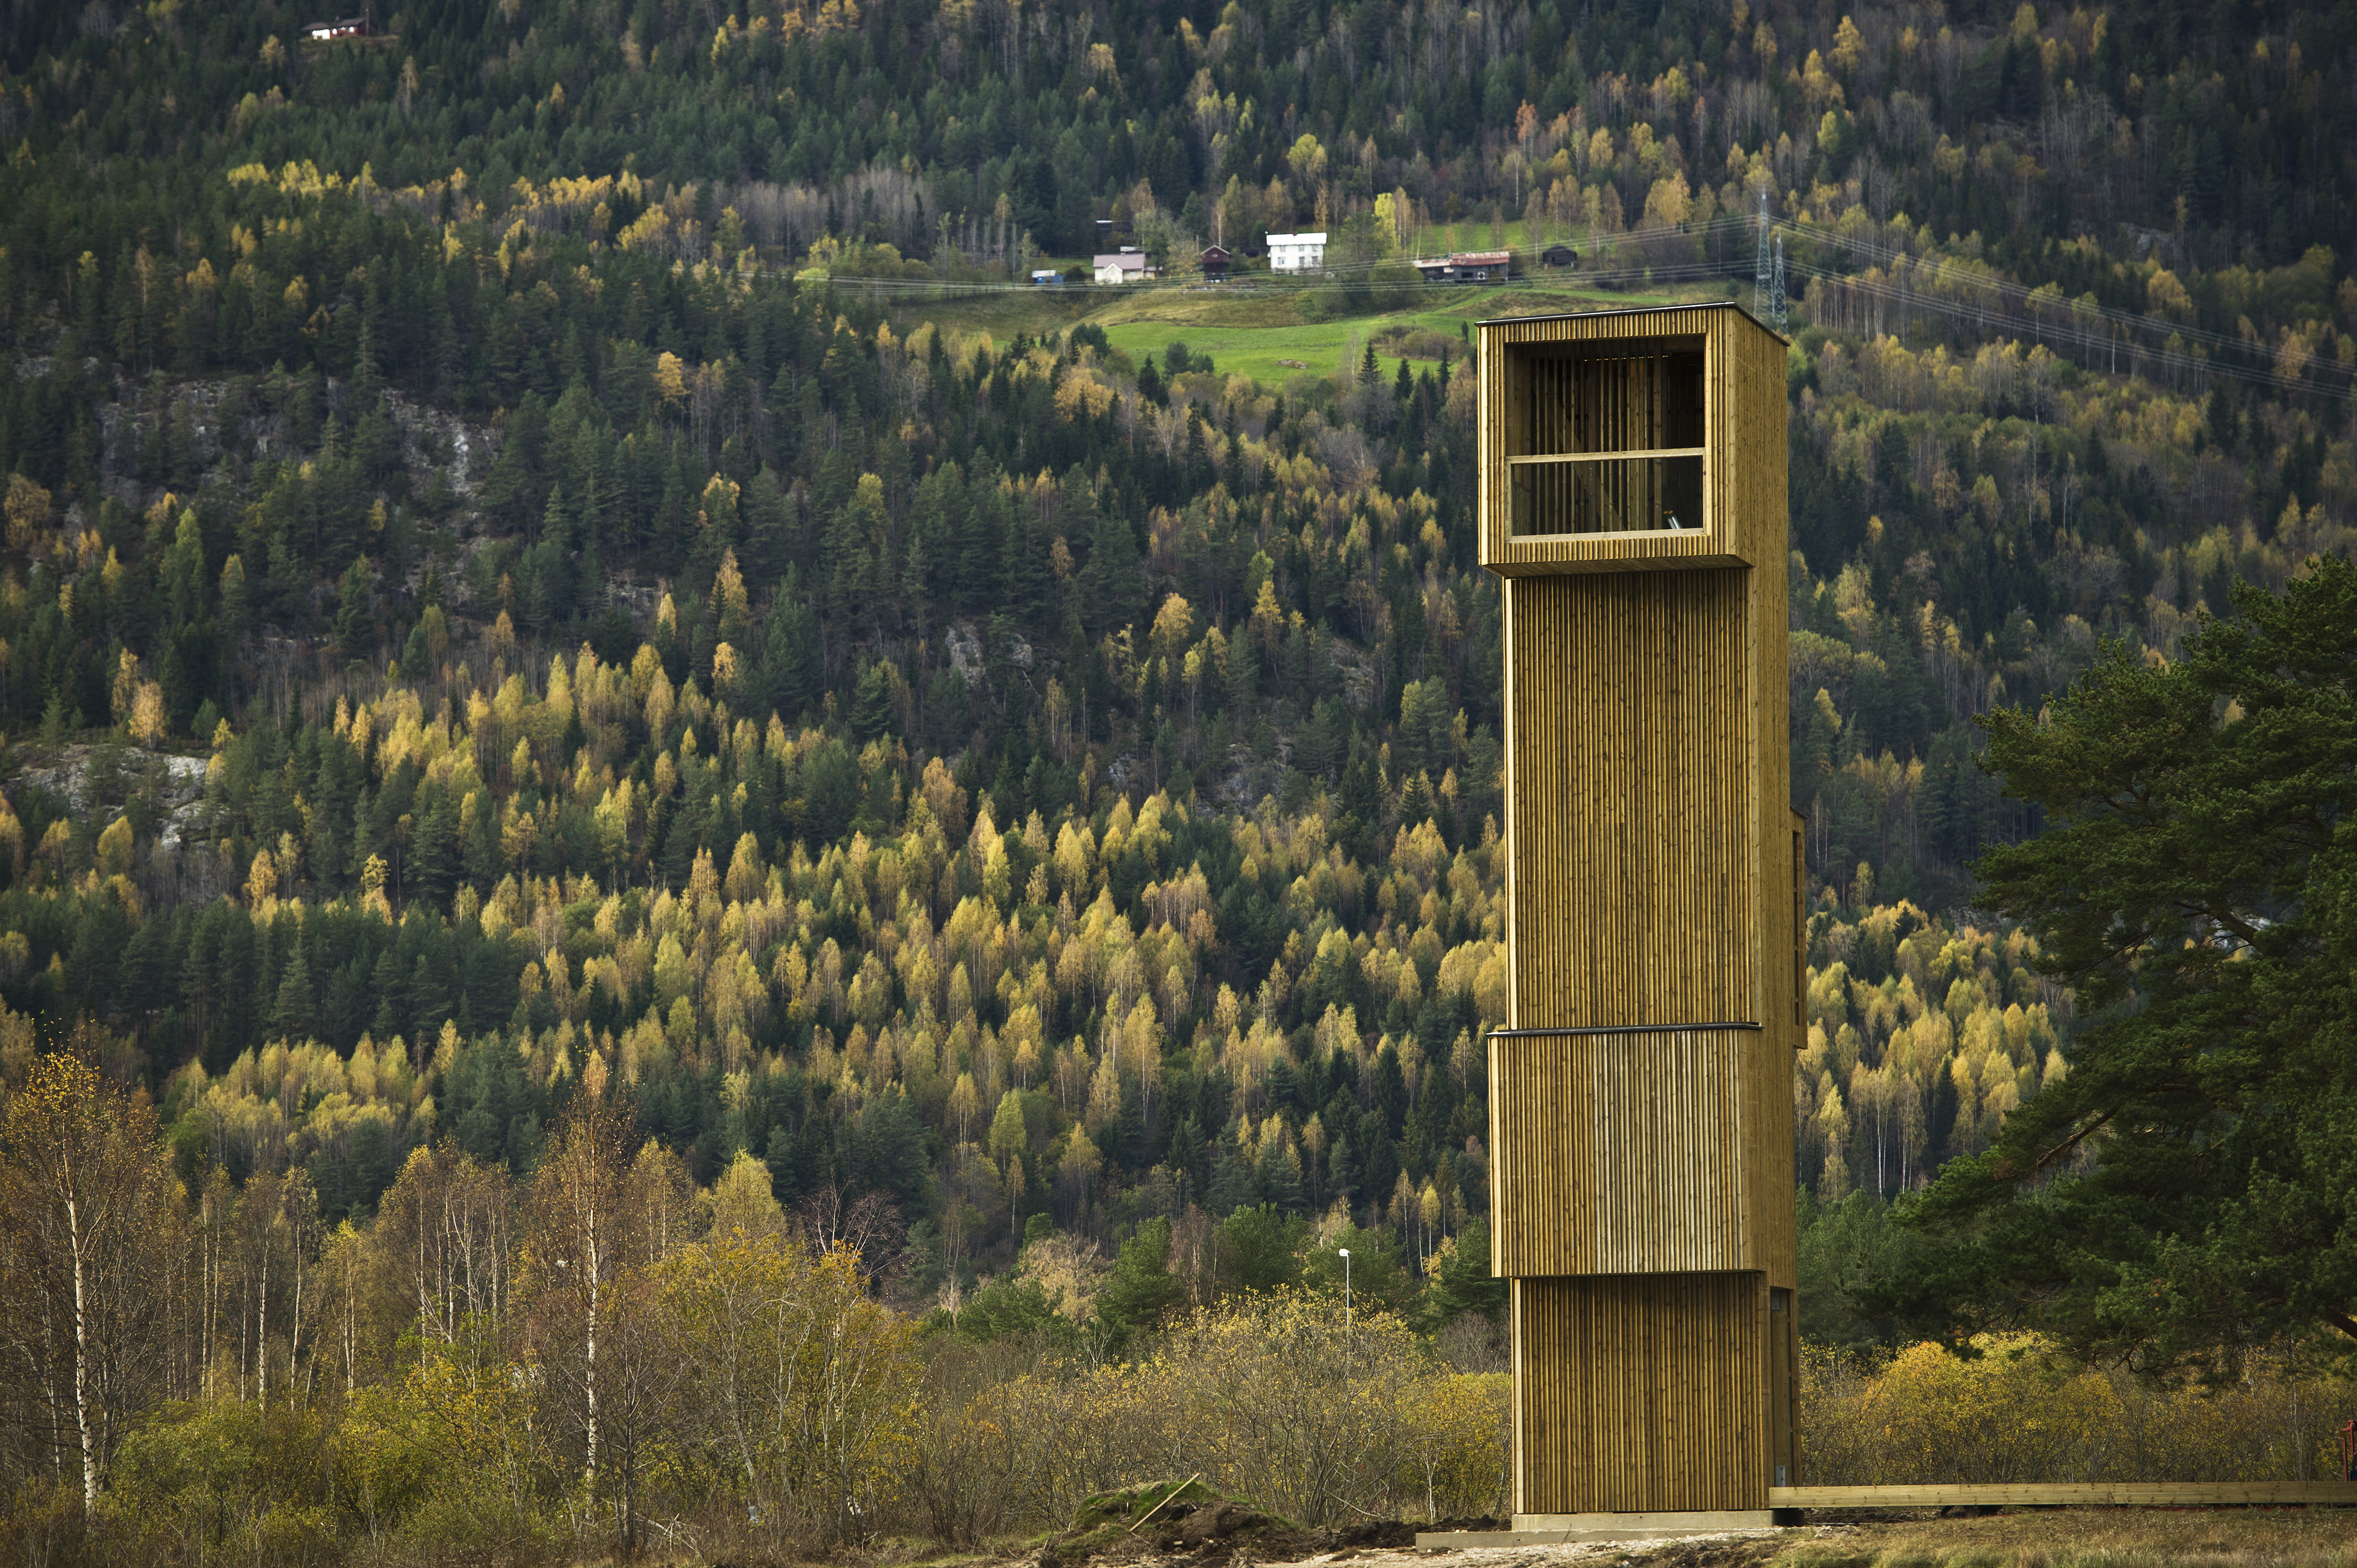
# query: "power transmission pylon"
x,y
1776,308
1759,302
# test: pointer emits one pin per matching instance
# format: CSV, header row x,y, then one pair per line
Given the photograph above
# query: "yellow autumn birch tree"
x,y
84,1197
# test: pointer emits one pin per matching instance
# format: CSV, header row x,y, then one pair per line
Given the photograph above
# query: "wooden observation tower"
x,y
1633,499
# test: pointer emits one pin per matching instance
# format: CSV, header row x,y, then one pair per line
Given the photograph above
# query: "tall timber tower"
x,y
1632,497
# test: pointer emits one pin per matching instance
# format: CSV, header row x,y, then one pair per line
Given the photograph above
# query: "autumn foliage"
x,y
606,1355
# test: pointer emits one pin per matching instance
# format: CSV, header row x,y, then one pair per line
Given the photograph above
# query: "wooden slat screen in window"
x,y
1642,400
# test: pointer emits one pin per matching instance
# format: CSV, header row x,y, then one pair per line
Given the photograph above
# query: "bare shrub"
x,y
1312,1414
983,1441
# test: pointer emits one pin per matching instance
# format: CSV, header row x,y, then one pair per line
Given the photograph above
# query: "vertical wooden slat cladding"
x,y
1641,1393
1633,734
1759,395
1642,1174
1623,1154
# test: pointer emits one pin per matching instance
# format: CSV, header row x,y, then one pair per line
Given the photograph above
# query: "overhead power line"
x,y
1998,307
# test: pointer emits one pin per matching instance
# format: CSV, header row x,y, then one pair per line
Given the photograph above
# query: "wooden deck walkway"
x,y
2072,1494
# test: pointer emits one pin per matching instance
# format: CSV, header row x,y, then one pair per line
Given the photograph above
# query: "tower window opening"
x,y
1606,439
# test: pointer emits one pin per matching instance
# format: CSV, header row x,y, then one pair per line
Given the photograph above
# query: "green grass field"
x,y
1256,334
1271,334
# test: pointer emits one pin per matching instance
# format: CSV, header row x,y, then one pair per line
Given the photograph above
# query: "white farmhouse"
x,y
1127,264
1297,253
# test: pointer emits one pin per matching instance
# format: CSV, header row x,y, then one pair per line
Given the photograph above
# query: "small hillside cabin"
x,y
1559,255
347,28
1217,263
1465,266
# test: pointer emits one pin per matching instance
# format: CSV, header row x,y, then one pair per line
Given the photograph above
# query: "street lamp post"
x,y
1346,1302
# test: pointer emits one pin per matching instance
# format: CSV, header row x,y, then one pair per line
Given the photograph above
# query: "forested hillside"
x,y
546,564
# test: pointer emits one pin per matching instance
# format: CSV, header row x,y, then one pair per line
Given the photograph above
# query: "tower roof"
x,y
1636,310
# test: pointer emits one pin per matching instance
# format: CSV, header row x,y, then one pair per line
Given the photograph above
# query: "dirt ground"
x,y
2097,1538
1222,1535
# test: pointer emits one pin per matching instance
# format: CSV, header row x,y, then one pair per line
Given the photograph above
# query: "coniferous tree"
x,y
790,649
356,610
1358,820
1113,588
2187,797
871,708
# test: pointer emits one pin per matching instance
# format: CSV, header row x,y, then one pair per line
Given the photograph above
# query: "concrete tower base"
x,y
1573,1528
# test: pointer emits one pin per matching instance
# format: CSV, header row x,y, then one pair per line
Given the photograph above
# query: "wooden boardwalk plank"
x,y
2069,1494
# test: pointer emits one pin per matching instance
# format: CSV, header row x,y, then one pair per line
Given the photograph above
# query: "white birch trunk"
x,y
589,1375
262,1328
81,1357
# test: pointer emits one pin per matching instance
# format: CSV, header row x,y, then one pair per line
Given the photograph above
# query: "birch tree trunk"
x,y
84,1197
78,1245
577,1246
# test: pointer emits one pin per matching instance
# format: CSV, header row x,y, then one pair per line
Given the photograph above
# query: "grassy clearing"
x,y
1258,352
1255,335
1263,305
1270,334
2093,1538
